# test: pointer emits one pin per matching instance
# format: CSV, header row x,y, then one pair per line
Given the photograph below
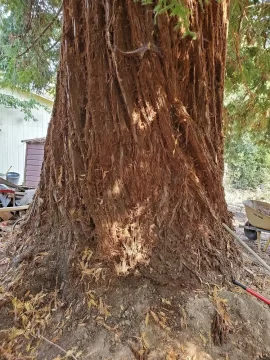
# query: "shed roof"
x,y
28,95
35,141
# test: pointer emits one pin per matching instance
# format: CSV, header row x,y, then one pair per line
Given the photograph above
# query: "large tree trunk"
x,y
134,156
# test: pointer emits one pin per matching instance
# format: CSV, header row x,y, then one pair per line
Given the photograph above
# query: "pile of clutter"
x,y
13,199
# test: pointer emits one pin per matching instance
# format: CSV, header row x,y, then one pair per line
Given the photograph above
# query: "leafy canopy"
x,y
30,33
247,95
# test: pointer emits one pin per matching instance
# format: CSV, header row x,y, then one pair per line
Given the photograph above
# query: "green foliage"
x,y
25,106
247,95
29,54
29,35
248,163
174,8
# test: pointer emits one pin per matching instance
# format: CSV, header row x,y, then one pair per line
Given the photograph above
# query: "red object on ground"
x,y
7,191
252,292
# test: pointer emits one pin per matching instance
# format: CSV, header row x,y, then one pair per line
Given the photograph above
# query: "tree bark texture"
x,y
134,155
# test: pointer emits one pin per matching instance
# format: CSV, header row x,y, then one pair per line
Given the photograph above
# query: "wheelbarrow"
x,y
258,214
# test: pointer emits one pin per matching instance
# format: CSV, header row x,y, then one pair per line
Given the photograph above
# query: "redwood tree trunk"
x,y
134,156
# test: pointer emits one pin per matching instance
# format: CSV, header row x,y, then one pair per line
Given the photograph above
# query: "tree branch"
x,y
54,44
258,5
42,33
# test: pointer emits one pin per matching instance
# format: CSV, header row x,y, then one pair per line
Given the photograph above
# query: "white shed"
x,y
14,129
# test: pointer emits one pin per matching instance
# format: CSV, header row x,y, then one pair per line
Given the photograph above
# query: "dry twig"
x,y
57,346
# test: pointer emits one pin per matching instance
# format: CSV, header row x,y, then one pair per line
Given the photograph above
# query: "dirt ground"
x,y
141,320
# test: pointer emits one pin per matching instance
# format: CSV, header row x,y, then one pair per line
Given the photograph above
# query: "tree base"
x,y
44,266
137,318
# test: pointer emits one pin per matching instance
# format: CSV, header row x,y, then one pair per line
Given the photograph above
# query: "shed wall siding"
x,y
14,129
33,164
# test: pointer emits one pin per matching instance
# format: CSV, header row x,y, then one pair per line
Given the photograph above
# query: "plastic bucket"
x,y
13,177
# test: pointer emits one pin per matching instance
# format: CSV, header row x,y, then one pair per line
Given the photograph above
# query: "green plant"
x,y
30,33
174,8
247,90
25,106
248,163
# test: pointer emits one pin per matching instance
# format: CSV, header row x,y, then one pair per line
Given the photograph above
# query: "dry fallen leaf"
x,y
172,355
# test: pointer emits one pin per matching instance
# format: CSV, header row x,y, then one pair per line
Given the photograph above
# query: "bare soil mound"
x,y
137,318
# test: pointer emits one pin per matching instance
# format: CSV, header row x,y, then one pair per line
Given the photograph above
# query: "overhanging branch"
x,y
42,33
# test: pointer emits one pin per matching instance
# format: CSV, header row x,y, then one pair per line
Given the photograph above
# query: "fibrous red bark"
x,y
134,155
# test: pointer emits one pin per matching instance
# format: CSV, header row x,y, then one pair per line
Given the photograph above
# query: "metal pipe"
x,y
247,247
